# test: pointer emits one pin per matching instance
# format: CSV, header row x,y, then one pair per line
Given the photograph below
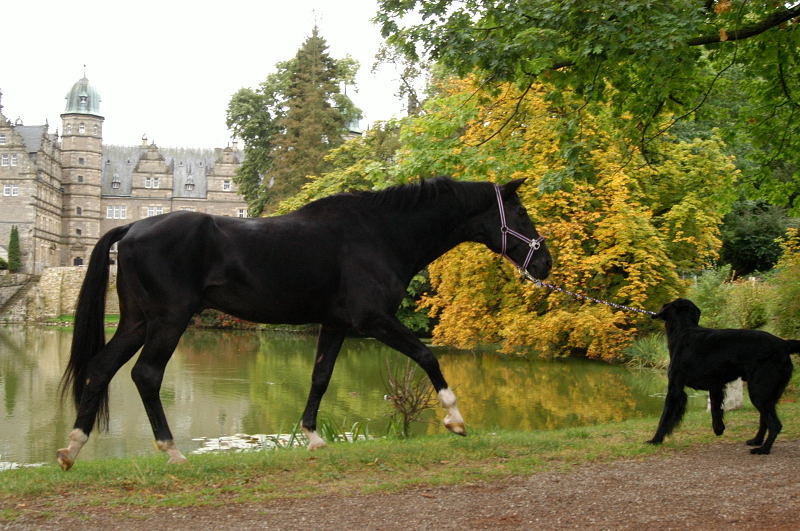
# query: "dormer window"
x,y
189,186
2,138
115,182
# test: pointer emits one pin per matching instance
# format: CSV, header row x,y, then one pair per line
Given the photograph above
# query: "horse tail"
x,y
794,346
89,335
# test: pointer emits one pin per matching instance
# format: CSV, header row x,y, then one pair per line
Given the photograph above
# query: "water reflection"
x,y
219,384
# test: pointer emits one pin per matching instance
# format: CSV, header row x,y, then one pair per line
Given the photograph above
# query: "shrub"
x,y
710,292
14,253
749,233
747,304
648,351
784,305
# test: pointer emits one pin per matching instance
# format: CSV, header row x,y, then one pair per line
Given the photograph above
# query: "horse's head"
x,y
512,234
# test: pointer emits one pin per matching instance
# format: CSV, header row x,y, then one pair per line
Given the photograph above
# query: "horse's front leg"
x,y
392,332
328,345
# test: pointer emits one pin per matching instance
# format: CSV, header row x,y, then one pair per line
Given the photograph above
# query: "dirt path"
x,y
720,486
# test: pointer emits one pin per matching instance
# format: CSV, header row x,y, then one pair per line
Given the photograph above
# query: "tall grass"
x,y
648,351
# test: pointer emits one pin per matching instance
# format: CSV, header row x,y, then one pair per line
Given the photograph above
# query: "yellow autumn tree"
x,y
621,229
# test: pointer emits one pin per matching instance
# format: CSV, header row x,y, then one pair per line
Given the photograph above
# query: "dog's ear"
x,y
695,313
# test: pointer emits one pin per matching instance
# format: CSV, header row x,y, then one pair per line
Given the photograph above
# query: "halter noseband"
x,y
505,230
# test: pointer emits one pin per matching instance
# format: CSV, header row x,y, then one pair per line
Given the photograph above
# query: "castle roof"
x,y
186,165
32,135
83,99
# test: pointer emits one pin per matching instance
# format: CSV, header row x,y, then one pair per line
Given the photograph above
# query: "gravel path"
x,y
720,486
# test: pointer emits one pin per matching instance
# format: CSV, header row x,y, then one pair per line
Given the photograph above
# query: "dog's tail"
x,y
794,346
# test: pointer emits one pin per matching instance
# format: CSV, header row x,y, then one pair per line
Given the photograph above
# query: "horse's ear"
x,y
511,187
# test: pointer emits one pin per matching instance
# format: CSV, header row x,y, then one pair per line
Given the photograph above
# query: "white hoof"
x,y
66,456
168,447
453,420
315,442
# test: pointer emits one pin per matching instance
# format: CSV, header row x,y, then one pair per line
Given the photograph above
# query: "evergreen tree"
x,y
14,253
290,123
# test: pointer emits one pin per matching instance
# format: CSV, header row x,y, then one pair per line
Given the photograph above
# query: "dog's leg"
x,y
674,408
716,397
758,440
773,426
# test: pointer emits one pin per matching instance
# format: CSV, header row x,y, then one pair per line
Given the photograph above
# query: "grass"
x,y
378,465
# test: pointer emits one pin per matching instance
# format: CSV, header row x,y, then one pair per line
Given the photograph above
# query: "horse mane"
x,y
415,195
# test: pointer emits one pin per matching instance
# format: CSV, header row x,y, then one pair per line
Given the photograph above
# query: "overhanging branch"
x,y
775,19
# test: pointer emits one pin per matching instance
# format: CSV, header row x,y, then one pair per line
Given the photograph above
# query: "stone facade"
x,y
64,192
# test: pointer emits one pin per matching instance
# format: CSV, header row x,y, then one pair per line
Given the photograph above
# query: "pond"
x,y
222,383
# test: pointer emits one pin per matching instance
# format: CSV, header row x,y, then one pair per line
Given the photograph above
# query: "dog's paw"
x,y
760,451
654,441
719,430
754,442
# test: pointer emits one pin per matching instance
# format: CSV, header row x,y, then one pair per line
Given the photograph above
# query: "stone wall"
x,y
56,294
10,284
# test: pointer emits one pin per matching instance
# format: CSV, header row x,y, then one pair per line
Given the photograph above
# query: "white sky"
x,y
168,68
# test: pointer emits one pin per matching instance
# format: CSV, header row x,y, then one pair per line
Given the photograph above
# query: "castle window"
x,y
80,178
115,183
154,210
2,138
4,160
78,232
68,129
95,129
189,186
226,185
13,159
7,190
81,161
242,213
79,211
81,128
78,261
116,212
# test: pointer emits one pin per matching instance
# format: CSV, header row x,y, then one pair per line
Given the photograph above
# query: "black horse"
x,y
343,261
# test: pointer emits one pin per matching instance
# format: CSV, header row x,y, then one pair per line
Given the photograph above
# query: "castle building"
x,y
63,193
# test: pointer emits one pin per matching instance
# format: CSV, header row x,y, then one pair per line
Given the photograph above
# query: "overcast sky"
x,y
167,69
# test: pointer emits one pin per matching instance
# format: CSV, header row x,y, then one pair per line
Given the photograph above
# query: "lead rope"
x,y
581,296
533,246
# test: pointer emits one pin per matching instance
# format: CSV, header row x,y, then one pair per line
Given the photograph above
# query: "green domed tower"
x,y
81,160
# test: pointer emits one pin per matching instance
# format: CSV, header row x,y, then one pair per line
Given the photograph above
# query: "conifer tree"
x,y
291,122
14,253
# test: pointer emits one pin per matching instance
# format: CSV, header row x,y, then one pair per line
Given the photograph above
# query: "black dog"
x,y
707,358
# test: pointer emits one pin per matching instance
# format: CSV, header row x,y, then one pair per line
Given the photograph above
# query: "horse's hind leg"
x,y
328,345
126,341
148,372
391,332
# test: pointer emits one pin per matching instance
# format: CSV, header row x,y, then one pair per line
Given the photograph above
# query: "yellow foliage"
x,y
621,234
